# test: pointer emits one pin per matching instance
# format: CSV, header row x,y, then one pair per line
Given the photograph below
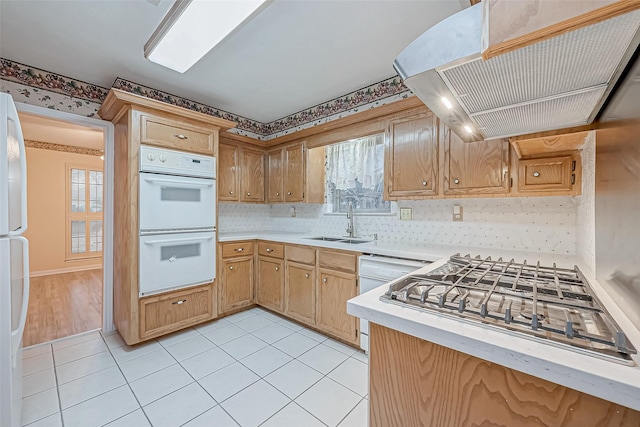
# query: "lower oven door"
x,y
171,261
174,202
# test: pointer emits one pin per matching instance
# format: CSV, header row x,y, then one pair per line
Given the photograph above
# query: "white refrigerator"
x,y
14,261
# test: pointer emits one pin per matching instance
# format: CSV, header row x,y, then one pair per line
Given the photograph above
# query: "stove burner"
x,y
548,303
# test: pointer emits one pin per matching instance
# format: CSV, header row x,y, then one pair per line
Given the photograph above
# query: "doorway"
x,y
69,205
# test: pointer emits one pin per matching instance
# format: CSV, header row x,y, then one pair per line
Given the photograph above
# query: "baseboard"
x,y
64,270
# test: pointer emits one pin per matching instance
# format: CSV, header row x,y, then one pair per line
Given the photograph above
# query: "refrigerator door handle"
x,y
12,114
16,335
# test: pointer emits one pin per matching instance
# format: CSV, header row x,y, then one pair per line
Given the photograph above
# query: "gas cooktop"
x,y
552,304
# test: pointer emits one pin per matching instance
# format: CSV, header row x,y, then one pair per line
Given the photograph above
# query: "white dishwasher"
x,y
375,271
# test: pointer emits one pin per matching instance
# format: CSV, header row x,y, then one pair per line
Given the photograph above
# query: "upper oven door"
x,y
170,202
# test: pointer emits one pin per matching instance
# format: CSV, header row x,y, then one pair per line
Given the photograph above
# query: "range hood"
x,y
556,83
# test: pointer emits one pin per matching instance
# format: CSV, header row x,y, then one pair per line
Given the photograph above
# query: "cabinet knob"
x,y
182,301
289,193
239,249
269,250
536,174
456,181
180,136
230,192
277,268
277,194
231,267
248,194
424,183
306,275
324,280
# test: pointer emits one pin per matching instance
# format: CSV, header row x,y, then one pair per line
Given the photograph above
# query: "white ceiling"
x,y
292,56
42,129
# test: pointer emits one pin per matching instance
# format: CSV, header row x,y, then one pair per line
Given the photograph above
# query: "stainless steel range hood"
x,y
556,83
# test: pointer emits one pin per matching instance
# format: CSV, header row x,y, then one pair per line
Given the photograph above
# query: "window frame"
x,y
85,216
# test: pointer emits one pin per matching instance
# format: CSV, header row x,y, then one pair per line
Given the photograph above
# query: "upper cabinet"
x,y
228,172
252,175
475,167
411,161
294,173
275,182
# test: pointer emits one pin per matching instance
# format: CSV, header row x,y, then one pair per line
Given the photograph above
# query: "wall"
x,y
585,223
535,224
46,173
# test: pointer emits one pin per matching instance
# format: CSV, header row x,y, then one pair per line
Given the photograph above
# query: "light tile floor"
x,y
250,369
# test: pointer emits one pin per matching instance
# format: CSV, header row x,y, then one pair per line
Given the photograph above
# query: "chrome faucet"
x,y
350,230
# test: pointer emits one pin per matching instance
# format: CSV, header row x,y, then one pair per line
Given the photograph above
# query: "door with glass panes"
x,y
84,230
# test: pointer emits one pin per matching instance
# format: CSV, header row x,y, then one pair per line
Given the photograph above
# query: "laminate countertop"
x,y
602,378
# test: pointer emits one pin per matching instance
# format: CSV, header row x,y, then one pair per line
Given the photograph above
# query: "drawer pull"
x,y
230,192
289,193
231,267
269,250
239,249
324,280
456,181
277,268
306,275
182,301
180,136
536,174
424,183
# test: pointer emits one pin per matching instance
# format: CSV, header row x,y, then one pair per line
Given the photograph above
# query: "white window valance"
x,y
361,159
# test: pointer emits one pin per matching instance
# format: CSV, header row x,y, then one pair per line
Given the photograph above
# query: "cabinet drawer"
x,y
301,254
275,250
180,136
550,174
168,312
338,261
237,249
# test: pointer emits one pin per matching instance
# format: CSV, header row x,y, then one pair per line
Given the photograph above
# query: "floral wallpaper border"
x,y
63,148
79,92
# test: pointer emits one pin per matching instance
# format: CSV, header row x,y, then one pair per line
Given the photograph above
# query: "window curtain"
x,y
361,159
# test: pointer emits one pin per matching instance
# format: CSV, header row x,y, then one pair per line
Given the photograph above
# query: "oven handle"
x,y
190,239
181,183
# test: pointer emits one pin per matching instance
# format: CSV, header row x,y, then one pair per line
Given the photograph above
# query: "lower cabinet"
x,y
334,290
168,312
301,292
270,286
236,286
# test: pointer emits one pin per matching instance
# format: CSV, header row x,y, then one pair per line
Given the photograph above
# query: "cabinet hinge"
x,y
573,166
573,178
510,182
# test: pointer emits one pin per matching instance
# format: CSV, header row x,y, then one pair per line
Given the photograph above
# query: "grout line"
x,y
352,409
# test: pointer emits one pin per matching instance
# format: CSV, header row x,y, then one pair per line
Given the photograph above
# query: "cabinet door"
x,y
252,182
237,283
294,178
300,290
412,160
334,290
546,175
270,287
475,167
275,163
227,172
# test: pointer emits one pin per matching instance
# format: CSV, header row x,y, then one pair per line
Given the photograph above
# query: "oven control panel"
x,y
161,160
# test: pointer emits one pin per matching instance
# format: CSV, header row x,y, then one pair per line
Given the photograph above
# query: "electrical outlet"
x,y
457,213
293,212
405,214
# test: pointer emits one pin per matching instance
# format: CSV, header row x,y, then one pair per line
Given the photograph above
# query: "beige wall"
x,y
46,173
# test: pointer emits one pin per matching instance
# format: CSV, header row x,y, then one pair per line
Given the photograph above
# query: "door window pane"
x,y
78,237
77,190
95,236
95,191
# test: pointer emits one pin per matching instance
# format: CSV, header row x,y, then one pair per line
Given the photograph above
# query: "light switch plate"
x,y
405,214
457,213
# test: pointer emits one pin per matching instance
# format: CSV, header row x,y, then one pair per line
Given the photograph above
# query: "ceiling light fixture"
x,y
192,28
446,102
468,129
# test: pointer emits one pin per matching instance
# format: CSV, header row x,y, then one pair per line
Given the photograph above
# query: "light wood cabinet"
x,y
252,175
300,299
275,182
546,174
236,285
411,161
227,172
138,120
270,287
294,182
475,167
334,290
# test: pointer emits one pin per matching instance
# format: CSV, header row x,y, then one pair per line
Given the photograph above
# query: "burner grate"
x,y
552,303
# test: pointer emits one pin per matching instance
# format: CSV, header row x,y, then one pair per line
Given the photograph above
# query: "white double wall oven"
x,y
177,208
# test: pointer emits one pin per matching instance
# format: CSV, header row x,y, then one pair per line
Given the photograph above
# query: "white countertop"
x,y
602,378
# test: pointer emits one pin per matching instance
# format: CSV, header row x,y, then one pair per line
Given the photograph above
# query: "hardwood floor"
x,y
62,305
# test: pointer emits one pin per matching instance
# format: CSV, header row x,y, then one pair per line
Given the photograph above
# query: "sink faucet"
x,y
350,230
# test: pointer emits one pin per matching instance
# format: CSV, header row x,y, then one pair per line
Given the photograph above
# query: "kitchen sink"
x,y
338,240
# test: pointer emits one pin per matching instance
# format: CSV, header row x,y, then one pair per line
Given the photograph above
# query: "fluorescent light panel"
x,y
194,27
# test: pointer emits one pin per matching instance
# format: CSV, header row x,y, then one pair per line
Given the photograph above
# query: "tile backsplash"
x,y
534,224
